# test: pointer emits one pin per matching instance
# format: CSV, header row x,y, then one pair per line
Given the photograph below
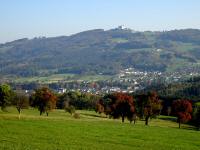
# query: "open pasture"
x,y
61,131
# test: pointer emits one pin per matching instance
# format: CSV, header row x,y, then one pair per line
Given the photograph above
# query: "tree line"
x,y
115,105
144,106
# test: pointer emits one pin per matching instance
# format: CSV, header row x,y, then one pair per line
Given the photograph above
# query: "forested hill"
x,y
102,52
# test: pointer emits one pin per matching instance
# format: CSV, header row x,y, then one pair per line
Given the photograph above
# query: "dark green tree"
x,y
196,115
69,108
78,100
149,106
197,118
6,95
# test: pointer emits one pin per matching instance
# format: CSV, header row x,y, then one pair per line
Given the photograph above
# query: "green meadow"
x,y
61,131
60,77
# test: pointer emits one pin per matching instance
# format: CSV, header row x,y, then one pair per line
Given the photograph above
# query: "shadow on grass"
x,y
168,118
94,115
189,128
186,127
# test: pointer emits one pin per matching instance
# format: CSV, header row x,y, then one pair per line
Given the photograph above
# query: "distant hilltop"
x,y
99,51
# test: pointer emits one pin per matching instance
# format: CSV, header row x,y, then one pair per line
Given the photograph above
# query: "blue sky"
x,y
33,18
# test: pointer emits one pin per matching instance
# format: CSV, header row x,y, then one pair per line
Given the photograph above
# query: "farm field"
x,y
91,131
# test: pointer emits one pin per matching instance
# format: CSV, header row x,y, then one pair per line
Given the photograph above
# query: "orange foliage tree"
x,y
100,107
44,100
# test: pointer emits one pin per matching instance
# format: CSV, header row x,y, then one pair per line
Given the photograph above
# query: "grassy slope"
x,y
61,131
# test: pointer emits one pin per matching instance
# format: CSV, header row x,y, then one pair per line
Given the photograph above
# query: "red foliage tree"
x,y
182,109
121,105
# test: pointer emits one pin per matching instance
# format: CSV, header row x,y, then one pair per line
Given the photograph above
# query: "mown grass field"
x,y
60,131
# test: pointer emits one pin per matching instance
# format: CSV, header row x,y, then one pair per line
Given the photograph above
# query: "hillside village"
x,y
129,80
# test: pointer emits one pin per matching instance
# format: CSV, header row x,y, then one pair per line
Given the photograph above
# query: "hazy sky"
x,y
30,18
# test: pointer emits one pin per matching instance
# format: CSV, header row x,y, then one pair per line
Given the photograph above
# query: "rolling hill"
x,y
102,52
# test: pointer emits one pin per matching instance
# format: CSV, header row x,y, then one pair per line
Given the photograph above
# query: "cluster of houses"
x,y
127,81
130,80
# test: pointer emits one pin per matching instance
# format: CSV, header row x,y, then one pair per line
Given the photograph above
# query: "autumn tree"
x,y
44,99
149,106
100,106
182,109
104,105
21,101
6,95
121,105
